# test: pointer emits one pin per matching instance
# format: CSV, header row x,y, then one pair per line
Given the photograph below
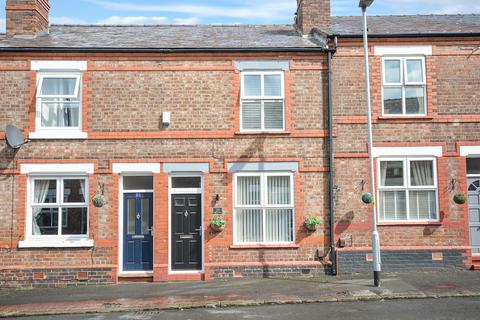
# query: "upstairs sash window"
x,y
263,101
59,101
404,86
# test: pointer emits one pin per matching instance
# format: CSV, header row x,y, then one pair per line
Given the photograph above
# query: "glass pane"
x,y
131,216
252,115
393,205
415,100
248,190
45,191
473,166
391,173
58,86
392,71
187,182
249,225
45,221
423,205
392,100
137,183
145,209
74,191
279,190
273,85
60,114
252,86
279,225
273,115
421,173
415,70
74,221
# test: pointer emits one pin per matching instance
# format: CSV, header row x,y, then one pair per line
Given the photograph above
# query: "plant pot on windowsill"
x,y
312,223
217,224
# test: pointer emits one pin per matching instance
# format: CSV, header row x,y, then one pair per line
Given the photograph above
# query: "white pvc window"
x,y
404,86
263,101
58,206
59,101
407,189
264,208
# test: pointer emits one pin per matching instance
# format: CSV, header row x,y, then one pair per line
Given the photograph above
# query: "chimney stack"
x,y
313,14
27,18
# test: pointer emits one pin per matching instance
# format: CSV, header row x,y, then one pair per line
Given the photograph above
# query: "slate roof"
x,y
166,36
236,37
408,25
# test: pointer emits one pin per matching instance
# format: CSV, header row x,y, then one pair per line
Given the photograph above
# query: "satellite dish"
x,y
15,137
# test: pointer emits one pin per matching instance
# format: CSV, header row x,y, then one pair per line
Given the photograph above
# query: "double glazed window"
x,y
264,210
407,189
59,101
263,101
404,86
59,206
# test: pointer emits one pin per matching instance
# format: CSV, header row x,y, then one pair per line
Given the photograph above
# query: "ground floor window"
x,y
59,206
407,189
264,208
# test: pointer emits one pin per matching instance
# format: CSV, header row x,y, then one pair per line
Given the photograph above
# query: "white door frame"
x,y
185,191
121,234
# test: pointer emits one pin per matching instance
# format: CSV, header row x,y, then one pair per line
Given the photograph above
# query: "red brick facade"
x,y
123,98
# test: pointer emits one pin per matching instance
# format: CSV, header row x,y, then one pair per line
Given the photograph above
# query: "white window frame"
x,y
263,204
407,187
42,132
59,204
403,84
262,98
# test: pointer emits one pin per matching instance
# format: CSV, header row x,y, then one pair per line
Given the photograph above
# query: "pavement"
x,y
236,292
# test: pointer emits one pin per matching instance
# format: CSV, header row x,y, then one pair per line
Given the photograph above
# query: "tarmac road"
x,y
446,308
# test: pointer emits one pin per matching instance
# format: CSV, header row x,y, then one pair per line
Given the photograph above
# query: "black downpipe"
x,y
331,176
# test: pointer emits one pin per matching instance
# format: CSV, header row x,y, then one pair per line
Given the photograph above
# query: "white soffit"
x,y
466,151
136,167
403,50
57,168
45,65
436,151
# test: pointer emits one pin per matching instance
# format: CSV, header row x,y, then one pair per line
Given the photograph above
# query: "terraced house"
x,y
141,136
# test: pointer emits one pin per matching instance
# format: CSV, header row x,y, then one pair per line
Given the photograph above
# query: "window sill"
x,y
405,118
265,133
409,224
56,243
58,134
264,246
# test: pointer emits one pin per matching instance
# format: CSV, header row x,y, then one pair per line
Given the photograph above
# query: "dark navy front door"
x,y
137,232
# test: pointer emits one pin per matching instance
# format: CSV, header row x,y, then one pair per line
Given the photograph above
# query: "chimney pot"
x,y
27,18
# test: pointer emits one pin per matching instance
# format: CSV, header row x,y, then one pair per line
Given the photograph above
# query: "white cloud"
x,y
3,26
140,20
439,6
266,10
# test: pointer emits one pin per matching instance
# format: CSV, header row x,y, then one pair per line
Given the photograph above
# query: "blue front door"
x,y
137,232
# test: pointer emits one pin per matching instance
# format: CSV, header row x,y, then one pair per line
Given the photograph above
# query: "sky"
x,y
225,11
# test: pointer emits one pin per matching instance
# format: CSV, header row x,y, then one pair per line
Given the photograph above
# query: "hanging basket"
x,y
367,198
311,227
217,228
99,200
460,198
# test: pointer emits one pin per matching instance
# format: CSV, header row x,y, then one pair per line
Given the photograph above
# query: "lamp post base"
x,y
376,278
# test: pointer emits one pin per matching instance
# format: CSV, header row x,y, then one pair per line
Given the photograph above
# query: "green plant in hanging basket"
x,y
367,198
99,200
312,223
460,198
217,223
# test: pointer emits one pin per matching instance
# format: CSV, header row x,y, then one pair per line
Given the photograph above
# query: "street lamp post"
x,y
377,264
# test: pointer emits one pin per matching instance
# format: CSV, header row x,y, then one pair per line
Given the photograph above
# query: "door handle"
x,y
151,231
199,230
